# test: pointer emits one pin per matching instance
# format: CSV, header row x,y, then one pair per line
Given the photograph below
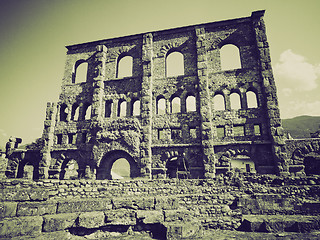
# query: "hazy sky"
x,y
33,34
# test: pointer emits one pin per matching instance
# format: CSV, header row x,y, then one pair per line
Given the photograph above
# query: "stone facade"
x,y
203,120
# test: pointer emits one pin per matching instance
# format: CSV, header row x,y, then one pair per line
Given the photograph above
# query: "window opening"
x,y
175,64
220,132
136,108
108,108
238,131
75,112
87,114
59,138
125,67
252,100
235,101
193,132
176,134
191,103
122,108
161,105
71,138
161,134
230,57
81,72
219,103
175,105
63,113
257,130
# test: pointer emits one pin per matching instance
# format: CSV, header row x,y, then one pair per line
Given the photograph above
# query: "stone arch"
x,y
176,165
232,157
107,161
299,154
80,71
69,169
175,104
161,105
174,63
235,100
230,57
124,66
28,169
252,98
219,101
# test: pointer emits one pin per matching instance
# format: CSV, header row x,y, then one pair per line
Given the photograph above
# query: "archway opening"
x,y
312,164
117,165
243,163
120,169
177,167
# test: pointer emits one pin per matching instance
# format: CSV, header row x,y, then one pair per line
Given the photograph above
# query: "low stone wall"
x,y
47,206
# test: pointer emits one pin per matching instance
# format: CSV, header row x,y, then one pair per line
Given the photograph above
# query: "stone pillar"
x,y
270,92
146,105
205,106
48,138
98,82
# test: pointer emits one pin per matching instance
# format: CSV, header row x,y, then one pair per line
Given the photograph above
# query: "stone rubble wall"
x,y
34,208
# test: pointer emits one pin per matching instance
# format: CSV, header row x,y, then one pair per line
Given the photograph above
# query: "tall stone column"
x,y
146,105
98,82
48,140
205,105
270,91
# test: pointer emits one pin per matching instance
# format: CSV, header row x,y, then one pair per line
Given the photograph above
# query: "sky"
x,y
34,33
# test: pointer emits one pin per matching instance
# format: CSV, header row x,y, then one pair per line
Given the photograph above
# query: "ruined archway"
x,y
106,164
69,169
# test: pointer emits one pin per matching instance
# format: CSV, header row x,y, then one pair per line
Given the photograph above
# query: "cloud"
x,y
295,72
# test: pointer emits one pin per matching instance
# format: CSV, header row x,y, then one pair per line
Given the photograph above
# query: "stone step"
x,y
280,223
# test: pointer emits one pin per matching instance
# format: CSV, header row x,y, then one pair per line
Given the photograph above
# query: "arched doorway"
x,y
117,165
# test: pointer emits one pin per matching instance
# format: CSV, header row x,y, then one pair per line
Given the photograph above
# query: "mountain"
x,y
302,126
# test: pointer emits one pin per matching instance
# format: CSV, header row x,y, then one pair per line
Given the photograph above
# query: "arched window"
x,y
86,111
175,105
124,68
136,108
75,112
230,57
108,108
219,102
122,108
174,64
235,100
161,105
191,103
63,112
252,100
81,70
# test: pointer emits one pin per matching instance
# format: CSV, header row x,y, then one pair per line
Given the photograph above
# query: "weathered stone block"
x,y
11,227
8,209
14,195
59,222
91,220
122,203
177,215
150,217
180,230
36,208
84,205
121,217
166,203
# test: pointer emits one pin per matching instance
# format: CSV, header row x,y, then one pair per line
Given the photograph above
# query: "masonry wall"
x,y
50,206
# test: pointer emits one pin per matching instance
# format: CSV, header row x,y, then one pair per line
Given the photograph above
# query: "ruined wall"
x,y
200,121
52,206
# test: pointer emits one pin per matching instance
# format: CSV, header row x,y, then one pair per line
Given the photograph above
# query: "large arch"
x,y
105,166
